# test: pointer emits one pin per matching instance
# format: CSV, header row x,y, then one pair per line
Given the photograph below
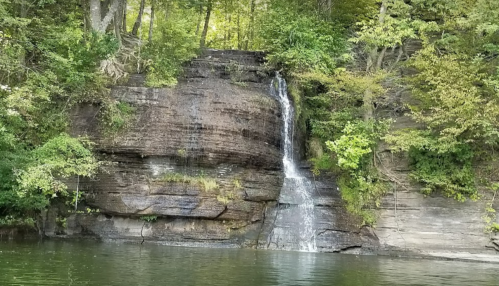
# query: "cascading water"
x,y
295,227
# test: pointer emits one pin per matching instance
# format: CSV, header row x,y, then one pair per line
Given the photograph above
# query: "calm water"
x,y
91,263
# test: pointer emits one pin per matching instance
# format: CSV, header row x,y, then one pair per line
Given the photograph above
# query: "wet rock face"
x,y
203,159
336,230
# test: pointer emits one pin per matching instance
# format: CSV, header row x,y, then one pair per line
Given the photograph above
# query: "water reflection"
x,y
88,263
303,265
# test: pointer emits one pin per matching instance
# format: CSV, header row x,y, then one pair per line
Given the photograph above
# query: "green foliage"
x,y
457,104
394,28
449,172
117,116
149,218
336,119
359,181
351,147
61,221
47,64
362,192
39,173
490,217
174,43
301,42
60,158
10,220
438,166
331,102
455,98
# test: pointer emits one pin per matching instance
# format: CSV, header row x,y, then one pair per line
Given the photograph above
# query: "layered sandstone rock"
x,y
203,158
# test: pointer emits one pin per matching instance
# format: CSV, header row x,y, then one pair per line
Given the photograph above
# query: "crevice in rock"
x,y
348,248
141,235
221,213
336,230
262,225
269,241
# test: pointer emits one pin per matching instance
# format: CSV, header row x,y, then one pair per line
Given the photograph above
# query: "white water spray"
x,y
301,185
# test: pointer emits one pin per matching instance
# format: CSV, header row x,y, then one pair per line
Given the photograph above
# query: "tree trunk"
x,y
329,8
229,32
86,15
249,39
138,22
118,17
374,64
368,105
23,13
206,23
124,16
239,28
167,10
151,23
99,23
200,19
95,16
104,8
225,24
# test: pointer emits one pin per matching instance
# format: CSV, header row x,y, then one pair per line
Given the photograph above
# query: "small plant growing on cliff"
x,y
176,178
91,210
224,200
235,72
208,184
491,226
182,153
237,184
149,218
61,221
117,116
226,197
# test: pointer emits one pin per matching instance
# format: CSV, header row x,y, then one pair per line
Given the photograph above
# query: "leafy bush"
x,y
59,158
351,147
437,165
300,42
362,192
332,106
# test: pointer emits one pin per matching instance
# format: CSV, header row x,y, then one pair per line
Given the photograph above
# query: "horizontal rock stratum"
x,y
200,165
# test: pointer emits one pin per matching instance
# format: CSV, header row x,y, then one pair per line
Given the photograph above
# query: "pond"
x,y
97,263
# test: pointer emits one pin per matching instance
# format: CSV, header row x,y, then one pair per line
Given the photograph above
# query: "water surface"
x,y
94,263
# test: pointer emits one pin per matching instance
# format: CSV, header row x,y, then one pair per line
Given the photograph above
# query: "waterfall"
x,y
299,231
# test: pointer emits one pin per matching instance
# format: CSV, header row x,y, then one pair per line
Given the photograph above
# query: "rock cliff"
x,y
201,166
200,163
